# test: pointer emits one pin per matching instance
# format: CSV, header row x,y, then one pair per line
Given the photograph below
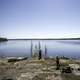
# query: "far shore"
x,y
3,39
46,39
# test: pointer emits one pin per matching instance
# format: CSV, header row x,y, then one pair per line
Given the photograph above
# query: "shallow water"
x,y
70,48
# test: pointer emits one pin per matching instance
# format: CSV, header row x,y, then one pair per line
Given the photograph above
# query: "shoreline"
x,y
46,39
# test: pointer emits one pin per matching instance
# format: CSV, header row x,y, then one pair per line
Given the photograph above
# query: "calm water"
x,y
69,48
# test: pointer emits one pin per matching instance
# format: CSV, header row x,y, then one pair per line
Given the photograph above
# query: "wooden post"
x,y
45,52
57,63
31,48
40,52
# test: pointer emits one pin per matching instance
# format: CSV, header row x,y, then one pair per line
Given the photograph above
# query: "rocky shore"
x,y
32,69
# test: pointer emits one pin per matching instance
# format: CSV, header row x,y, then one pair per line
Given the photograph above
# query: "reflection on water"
x,y
54,47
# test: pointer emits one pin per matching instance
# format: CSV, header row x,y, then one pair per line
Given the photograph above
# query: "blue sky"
x,y
39,18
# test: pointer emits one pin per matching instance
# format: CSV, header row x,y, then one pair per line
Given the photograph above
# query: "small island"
x,y
3,39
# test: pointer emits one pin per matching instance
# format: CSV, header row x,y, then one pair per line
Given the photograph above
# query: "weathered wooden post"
x,y
40,52
31,49
45,52
57,63
35,52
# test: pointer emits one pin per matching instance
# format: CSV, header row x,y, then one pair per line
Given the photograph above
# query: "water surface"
x,y
69,48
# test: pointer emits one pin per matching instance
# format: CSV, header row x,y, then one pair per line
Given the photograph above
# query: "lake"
x,y
70,48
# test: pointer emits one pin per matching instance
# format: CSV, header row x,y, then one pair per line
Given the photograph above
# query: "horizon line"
x,y
43,38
